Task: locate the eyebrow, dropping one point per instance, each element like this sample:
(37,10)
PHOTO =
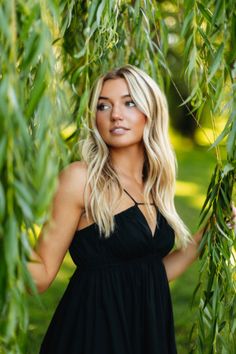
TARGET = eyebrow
(107,98)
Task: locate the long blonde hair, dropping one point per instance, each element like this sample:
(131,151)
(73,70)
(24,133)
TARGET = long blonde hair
(160,166)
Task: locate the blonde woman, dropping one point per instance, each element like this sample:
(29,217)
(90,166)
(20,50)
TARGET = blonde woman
(115,212)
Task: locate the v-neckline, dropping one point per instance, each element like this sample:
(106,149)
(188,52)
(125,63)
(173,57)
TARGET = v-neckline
(136,205)
(146,222)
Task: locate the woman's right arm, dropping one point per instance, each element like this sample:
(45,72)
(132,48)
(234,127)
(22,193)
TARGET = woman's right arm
(56,235)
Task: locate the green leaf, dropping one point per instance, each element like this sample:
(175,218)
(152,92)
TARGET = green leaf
(212,192)
(99,12)
(187,24)
(188,46)
(83,104)
(191,96)
(92,10)
(2,203)
(219,93)
(217,62)
(11,246)
(231,142)
(38,90)
(197,288)
(203,242)
(23,191)
(205,12)
(222,135)
(225,197)
(192,62)
(3,147)
(206,40)
(33,48)
(218,13)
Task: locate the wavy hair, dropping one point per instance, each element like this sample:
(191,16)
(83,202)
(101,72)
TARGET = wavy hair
(160,165)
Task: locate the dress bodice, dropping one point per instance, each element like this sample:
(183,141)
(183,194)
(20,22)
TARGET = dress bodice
(131,239)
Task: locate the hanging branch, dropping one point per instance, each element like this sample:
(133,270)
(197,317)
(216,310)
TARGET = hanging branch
(31,151)
(209,70)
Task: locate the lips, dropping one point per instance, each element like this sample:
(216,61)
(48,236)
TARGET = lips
(118,129)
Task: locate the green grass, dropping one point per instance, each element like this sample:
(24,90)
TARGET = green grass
(195,168)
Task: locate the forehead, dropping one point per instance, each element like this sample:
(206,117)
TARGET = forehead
(114,87)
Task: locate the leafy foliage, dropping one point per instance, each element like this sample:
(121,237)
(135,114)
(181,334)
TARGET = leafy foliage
(216,323)
(210,57)
(50,53)
(31,150)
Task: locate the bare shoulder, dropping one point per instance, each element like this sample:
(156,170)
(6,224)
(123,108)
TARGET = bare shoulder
(76,169)
(73,179)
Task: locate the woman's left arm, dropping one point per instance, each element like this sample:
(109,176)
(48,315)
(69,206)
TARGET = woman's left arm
(178,261)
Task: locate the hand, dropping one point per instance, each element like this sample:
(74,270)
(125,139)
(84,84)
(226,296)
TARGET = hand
(232,223)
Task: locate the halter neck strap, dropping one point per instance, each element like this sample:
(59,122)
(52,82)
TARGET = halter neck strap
(136,203)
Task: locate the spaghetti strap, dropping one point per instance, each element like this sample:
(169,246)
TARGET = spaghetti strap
(130,196)
(136,203)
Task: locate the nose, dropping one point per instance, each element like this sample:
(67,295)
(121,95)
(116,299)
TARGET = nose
(116,113)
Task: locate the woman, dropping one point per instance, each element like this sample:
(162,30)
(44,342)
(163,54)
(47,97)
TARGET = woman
(115,212)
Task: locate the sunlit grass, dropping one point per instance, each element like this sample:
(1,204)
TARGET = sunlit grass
(192,191)
(178,140)
(208,134)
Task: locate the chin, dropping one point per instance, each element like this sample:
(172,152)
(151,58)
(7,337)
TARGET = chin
(125,144)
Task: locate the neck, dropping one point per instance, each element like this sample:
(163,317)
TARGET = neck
(128,162)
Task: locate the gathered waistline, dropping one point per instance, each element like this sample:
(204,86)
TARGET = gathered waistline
(101,264)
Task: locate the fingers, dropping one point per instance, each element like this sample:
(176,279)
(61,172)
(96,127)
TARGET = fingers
(232,223)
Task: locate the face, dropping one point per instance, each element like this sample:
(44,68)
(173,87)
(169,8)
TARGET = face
(118,120)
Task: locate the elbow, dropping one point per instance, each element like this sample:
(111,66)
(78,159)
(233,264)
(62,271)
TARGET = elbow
(42,287)
(169,274)
(44,282)
(38,287)
(40,279)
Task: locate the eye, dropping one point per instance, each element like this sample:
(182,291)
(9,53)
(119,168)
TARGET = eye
(103,107)
(130,104)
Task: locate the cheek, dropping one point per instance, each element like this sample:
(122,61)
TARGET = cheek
(141,122)
(101,125)
(99,122)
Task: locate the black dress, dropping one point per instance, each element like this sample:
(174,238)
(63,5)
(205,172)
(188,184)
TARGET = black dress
(118,299)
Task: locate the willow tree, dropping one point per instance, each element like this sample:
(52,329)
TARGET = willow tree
(50,53)
(32,105)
